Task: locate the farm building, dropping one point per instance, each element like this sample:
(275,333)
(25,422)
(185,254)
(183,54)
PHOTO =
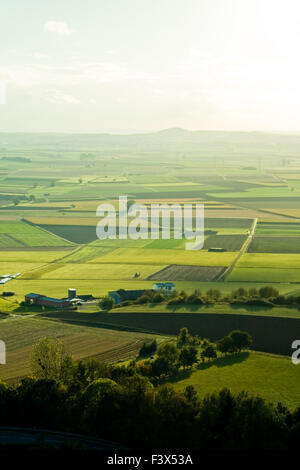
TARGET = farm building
(121,295)
(164,286)
(86,297)
(74,298)
(37,299)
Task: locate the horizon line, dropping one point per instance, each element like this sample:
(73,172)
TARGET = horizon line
(147,132)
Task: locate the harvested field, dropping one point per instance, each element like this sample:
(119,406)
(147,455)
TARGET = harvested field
(213,222)
(73,233)
(175,272)
(270,334)
(86,221)
(83,341)
(263,244)
(228,242)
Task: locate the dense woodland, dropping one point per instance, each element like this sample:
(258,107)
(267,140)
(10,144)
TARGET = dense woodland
(122,404)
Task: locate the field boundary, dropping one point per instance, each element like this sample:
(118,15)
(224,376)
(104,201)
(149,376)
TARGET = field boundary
(270,334)
(46,231)
(243,250)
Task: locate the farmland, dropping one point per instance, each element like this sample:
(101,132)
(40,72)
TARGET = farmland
(22,234)
(55,212)
(188,273)
(275,244)
(82,341)
(48,224)
(263,274)
(228,242)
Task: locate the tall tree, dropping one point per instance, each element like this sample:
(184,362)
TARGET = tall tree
(188,356)
(51,360)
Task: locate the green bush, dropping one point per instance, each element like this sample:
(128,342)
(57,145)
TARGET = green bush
(144,299)
(107,303)
(177,301)
(268,291)
(158,298)
(148,348)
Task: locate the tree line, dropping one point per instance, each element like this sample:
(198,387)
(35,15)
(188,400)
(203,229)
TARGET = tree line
(124,404)
(118,403)
(187,352)
(266,296)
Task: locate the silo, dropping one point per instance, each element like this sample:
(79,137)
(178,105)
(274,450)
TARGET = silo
(71,294)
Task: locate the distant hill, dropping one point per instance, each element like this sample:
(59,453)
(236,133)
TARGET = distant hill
(167,140)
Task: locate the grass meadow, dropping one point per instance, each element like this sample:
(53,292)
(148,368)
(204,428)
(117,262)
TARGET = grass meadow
(274,378)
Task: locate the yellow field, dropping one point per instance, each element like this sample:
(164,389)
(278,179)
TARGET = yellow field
(164,257)
(94,179)
(288,212)
(100,271)
(42,256)
(186,183)
(14,267)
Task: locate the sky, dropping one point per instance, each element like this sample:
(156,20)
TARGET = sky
(126,66)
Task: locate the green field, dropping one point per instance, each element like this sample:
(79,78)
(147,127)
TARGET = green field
(274,378)
(48,217)
(279,229)
(269,260)
(271,267)
(27,235)
(264,275)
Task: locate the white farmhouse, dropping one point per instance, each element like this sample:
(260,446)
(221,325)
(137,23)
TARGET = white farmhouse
(164,286)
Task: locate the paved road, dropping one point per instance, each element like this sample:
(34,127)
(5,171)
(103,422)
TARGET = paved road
(10,435)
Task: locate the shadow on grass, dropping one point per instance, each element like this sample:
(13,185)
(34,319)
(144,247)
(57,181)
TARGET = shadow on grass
(251,308)
(225,361)
(181,375)
(184,374)
(34,309)
(190,307)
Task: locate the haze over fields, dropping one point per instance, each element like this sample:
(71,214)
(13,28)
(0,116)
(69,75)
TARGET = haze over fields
(138,65)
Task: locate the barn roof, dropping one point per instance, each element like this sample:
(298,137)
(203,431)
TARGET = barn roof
(33,296)
(164,284)
(43,297)
(128,294)
(51,299)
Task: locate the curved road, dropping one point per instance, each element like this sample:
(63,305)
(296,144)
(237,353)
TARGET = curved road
(24,436)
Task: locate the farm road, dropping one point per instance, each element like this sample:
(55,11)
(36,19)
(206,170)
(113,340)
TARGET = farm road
(241,252)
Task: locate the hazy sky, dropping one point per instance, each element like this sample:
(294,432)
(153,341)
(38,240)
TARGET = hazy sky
(142,65)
